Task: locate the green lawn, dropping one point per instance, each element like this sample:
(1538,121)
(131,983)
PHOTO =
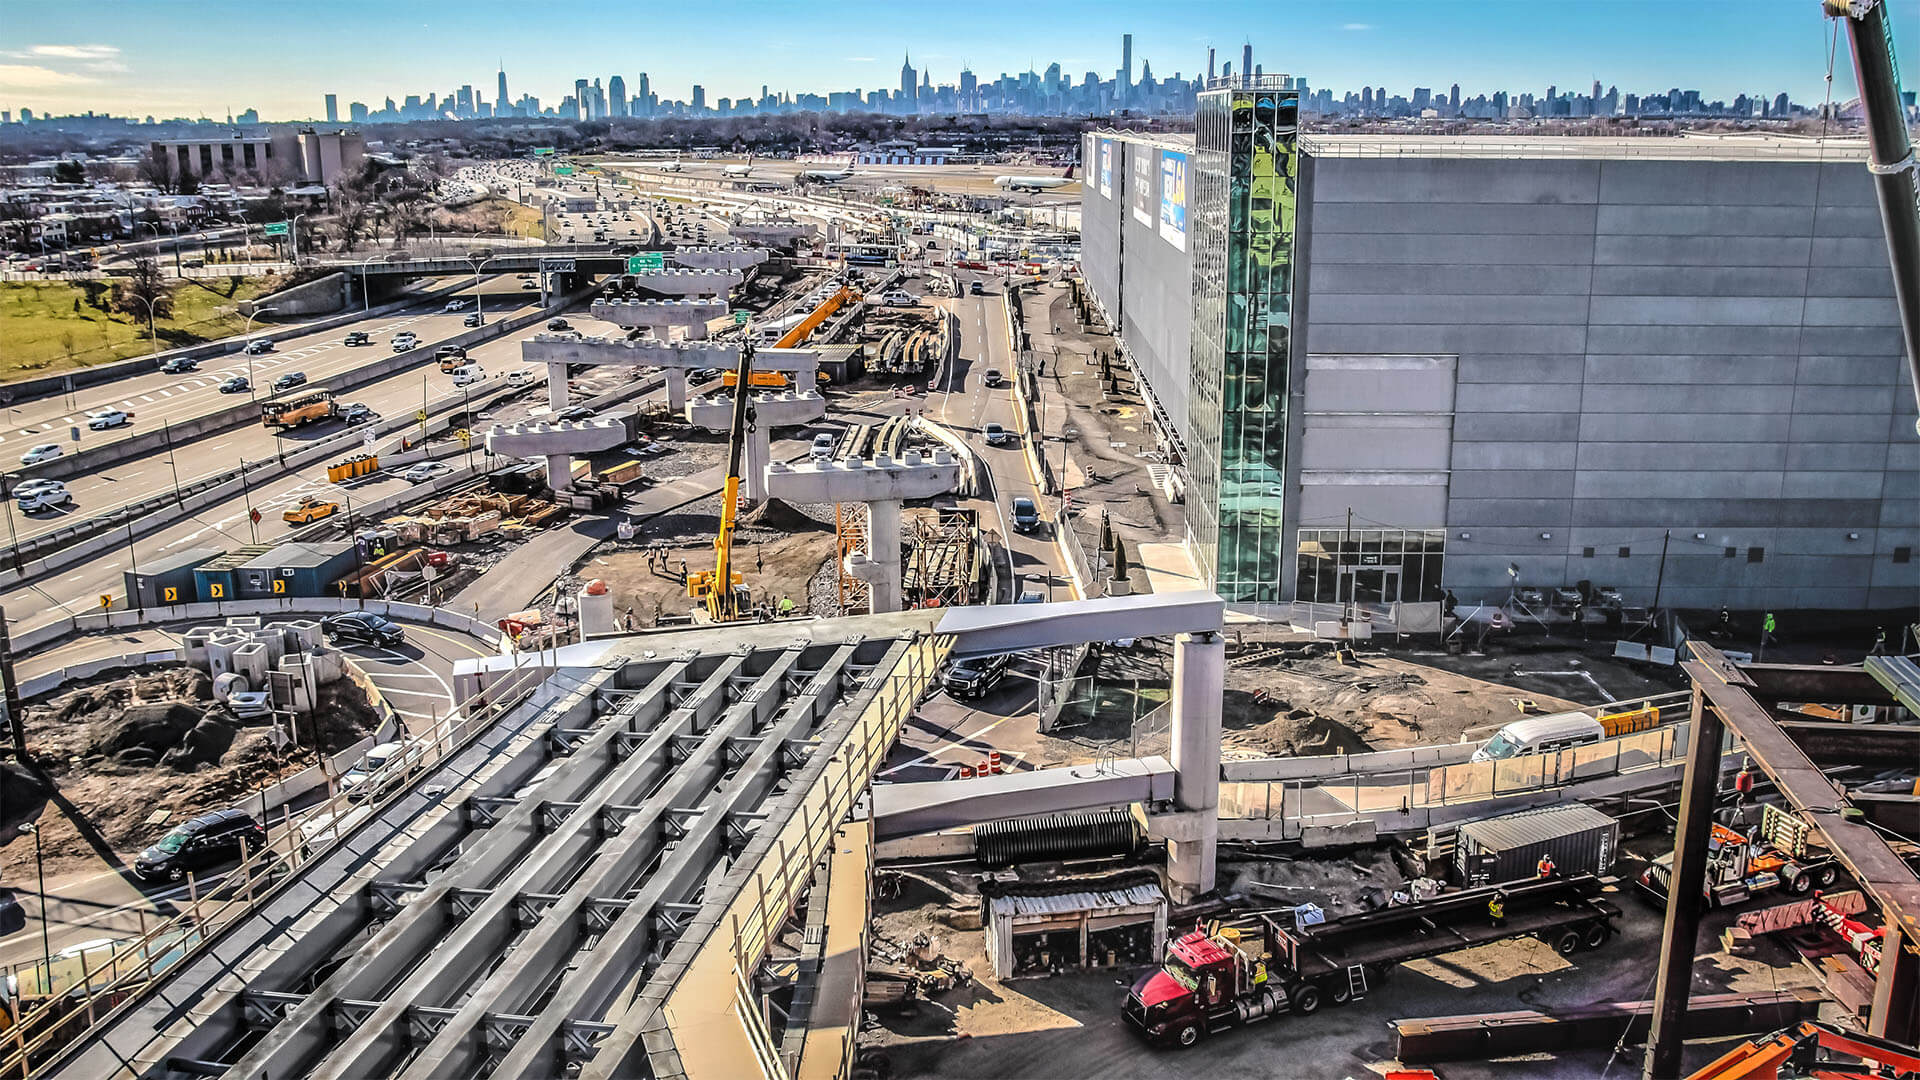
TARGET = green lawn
(41,332)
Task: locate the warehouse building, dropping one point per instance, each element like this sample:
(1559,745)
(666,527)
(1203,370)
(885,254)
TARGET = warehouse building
(1398,366)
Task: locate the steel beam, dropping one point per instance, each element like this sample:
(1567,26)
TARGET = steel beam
(1680,934)
(1826,743)
(1819,683)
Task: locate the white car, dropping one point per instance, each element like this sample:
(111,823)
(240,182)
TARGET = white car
(899,299)
(404,341)
(519,378)
(43,499)
(107,418)
(393,763)
(425,471)
(455,305)
(468,374)
(44,452)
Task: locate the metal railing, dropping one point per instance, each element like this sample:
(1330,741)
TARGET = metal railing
(132,967)
(1651,147)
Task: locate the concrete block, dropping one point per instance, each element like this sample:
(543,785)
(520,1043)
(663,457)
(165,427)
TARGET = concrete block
(250,660)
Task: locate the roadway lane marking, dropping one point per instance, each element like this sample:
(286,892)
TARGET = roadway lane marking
(143,397)
(164,393)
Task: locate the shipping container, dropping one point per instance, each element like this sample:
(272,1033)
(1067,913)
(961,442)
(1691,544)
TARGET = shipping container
(297,569)
(167,581)
(1580,839)
(216,580)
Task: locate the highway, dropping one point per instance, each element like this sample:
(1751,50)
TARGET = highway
(159,398)
(132,481)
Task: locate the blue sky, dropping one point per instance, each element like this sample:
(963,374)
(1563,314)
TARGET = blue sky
(204,57)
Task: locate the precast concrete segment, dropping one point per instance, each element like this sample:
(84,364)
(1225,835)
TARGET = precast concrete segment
(574,349)
(1006,628)
(858,480)
(426,938)
(742,760)
(912,809)
(654,314)
(783,409)
(782,236)
(535,438)
(1199,675)
(703,281)
(724,258)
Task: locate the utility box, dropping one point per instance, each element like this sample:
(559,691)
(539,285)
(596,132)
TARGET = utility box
(168,581)
(297,569)
(1580,839)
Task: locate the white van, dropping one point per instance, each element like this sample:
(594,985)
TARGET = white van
(1541,735)
(468,374)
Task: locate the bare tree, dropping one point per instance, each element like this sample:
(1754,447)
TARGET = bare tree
(144,288)
(157,169)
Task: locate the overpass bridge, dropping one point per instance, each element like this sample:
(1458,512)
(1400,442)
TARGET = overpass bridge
(552,258)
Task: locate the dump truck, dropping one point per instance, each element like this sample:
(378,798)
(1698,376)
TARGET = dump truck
(310,510)
(1226,975)
(1778,854)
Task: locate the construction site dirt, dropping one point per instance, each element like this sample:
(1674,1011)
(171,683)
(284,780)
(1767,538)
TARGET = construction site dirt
(1068,1026)
(133,755)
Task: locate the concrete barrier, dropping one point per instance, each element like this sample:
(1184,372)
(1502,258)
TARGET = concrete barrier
(41,637)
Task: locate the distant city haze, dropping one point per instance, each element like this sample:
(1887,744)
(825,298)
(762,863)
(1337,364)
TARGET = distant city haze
(218,58)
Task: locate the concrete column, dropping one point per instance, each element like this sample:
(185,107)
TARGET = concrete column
(560,472)
(676,388)
(557,386)
(1199,679)
(883,543)
(696,330)
(753,477)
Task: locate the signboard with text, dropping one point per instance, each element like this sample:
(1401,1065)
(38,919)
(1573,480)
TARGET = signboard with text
(646,260)
(1142,183)
(278,228)
(1106,168)
(1173,198)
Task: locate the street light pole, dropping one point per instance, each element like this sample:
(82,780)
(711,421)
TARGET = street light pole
(153,336)
(13,535)
(295,230)
(46,935)
(246,335)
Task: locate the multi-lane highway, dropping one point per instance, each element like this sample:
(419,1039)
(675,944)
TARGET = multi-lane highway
(158,398)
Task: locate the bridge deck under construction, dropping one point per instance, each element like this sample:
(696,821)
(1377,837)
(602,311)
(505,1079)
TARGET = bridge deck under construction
(645,826)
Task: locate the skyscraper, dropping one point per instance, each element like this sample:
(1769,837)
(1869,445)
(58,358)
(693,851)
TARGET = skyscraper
(1246,60)
(357,112)
(909,84)
(1209,63)
(699,98)
(500,101)
(1126,67)
(645,96)
(333,109)
(580,99)
(616,96)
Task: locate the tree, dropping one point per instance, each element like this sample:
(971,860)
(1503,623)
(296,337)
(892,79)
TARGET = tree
(351,216)
(187,183)
(157,169)
(142,287)
(69,172)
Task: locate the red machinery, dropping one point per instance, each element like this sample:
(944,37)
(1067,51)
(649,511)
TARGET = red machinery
(1807,1050)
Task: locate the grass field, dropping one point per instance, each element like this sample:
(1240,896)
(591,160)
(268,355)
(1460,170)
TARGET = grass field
(519,220)
(41,330)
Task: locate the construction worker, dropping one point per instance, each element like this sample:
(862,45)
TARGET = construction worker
(1497,908)
(786,606)
(1545,867)
(1879,641)
(1259,973)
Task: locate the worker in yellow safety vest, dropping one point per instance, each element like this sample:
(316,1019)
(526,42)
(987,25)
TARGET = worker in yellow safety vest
(1497,908)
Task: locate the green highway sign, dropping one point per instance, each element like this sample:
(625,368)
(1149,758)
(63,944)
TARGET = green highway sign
(563,170)
(740,318)
(649,260)
(543,151)
(278,228)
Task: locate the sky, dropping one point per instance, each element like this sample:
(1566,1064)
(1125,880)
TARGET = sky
(211,57)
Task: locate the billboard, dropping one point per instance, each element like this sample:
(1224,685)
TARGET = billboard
(1140,183)
(1106,168)
(1173,198)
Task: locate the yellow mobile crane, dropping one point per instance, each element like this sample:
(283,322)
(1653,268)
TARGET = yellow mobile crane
(720,587)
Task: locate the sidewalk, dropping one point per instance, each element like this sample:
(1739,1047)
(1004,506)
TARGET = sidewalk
(1093,439)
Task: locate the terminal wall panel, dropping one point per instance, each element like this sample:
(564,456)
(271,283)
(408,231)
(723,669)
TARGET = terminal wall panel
(1707,348)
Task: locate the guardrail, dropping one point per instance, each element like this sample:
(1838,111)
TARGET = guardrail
(44,1029)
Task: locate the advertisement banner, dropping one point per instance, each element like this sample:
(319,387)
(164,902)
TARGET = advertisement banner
(1106,168)
(1173,198)
(1140,183)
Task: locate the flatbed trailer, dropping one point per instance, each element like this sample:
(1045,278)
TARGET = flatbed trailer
(1225,976)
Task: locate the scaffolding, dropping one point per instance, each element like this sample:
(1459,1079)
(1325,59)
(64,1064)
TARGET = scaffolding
(944,567)
(852,536)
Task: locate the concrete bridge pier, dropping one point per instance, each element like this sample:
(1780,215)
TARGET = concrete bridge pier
(676,388)
(1199,677)
(880,568)
(883,484)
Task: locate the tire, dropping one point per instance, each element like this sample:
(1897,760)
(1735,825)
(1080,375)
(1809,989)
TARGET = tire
(1595,935)
(1567,942)
(1188,1036)
(1827,875)
(1339,993)
(1798,883)
(1305,999)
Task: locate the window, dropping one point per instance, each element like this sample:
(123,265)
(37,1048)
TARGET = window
(1731,552)
(1902,554)
(1756,554)
(1586,553)
(1626,552)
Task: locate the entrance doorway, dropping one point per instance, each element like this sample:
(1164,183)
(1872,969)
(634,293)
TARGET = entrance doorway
(1369,584)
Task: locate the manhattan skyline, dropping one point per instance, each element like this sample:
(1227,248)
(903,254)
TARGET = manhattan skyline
(125,58)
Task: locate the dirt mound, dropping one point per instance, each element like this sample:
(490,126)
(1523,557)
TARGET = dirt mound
(142,732)
(776,515)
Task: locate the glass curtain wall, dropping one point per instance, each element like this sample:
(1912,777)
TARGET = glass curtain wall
(1245,198)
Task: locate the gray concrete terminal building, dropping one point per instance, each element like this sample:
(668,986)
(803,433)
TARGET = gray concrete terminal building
(1514,360)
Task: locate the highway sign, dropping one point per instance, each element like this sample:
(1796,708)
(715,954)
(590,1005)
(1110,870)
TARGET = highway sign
(648,260)
(740,318)
(420,415)
(170,594)
(556,266)
(543,151)
(106,601)
(278,228)
(563,170)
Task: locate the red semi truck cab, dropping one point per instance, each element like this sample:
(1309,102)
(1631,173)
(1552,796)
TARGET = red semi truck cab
(1213,980)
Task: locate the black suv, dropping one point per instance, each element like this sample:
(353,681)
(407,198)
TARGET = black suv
(359,337)
(364,627)
(207,840)
(180,365)
(976,676)
(290,380)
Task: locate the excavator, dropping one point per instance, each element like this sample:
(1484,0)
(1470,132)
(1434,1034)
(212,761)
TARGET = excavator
(720,587)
